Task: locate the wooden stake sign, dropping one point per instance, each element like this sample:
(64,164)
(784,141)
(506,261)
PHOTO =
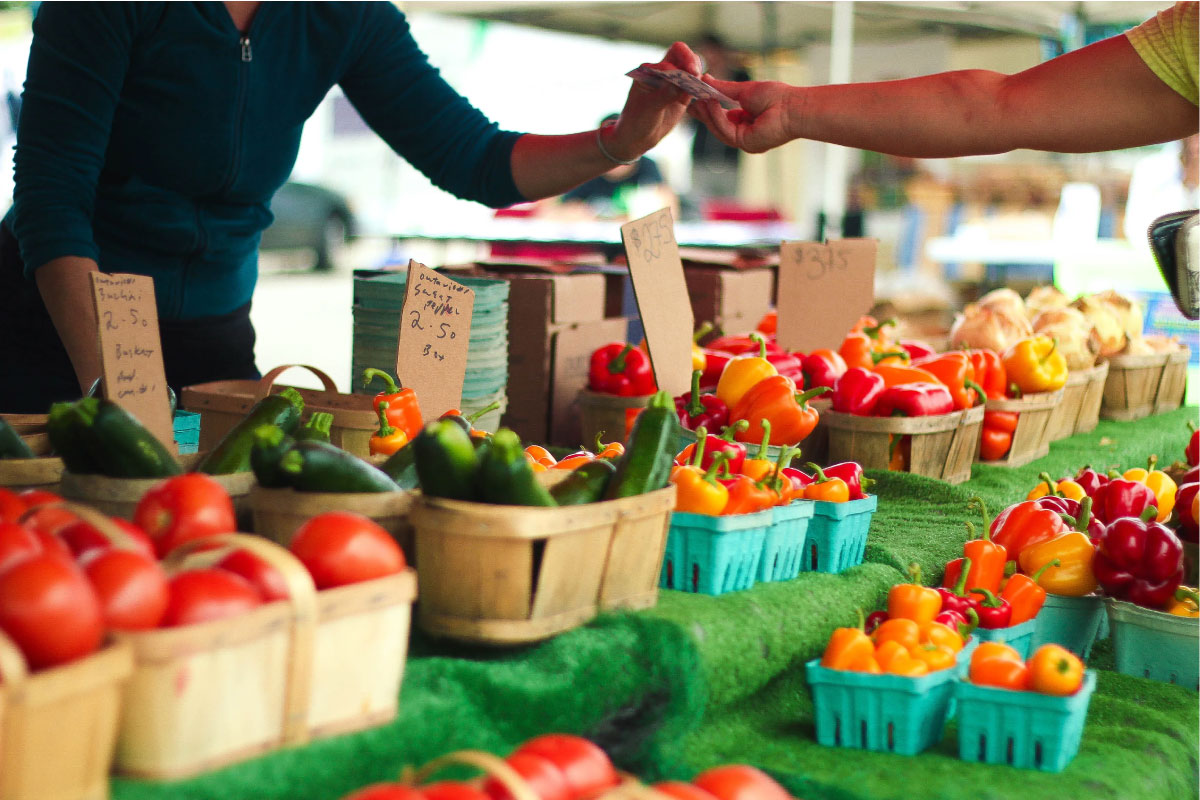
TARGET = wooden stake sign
(823,290)
(662,298)
(435,334)
(131,351)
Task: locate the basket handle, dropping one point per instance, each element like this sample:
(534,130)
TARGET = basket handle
(13,667)
(117,537)
(266,382)
(302,594)
(485,762)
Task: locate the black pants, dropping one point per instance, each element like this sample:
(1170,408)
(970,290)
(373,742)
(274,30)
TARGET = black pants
(35,370)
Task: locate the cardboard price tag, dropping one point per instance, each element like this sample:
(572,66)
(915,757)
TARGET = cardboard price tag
(435,334)
(823,290)
(131,350)
(662,298)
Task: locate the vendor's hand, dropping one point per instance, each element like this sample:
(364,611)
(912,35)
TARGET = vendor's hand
(759,125)
(650,114)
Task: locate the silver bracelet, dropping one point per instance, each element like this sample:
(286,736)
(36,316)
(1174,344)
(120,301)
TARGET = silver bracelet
(608,155)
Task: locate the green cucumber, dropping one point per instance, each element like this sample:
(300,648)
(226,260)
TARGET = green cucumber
(120,446)
(447,461)
(506,477)
(585,484)
(270,445)
(649,453)
(11,443)
(401,466)
(323,467)
(232,453)
(65,428)
(317,429)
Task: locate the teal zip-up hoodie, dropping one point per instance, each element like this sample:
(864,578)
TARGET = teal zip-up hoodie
(153,135)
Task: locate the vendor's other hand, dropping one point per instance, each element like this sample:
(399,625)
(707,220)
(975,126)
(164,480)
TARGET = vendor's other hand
(650,114)
(759,125)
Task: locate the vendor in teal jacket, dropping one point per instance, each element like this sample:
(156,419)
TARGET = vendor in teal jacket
(153,135)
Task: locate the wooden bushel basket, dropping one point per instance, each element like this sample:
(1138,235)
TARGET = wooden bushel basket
(1080,402)
(942,446)
(19,474)
(1173,384)
(1132,386)
(222,404)
(58,727)
(607,414)
(503,575)
(1031,439)
(279,512)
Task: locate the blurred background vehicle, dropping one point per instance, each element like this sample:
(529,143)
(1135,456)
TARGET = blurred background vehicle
(310,217)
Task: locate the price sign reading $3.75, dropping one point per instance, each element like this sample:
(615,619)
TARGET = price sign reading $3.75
(435,334)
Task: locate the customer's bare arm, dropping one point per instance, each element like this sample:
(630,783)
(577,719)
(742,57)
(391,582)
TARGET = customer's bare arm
(67,292)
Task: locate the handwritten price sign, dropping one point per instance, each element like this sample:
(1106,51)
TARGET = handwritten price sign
(131,351)
(823,290)
(435,334)
(662,298)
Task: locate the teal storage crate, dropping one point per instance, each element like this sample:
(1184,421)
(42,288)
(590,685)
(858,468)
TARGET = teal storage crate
(1154,644)
(1073,622)
(714,555)
(882,713)
(837,534)
(1022,729)
(783,547)
(187,431)
(1018,637)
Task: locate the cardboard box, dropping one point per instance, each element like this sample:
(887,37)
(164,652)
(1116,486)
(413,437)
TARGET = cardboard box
(734,300)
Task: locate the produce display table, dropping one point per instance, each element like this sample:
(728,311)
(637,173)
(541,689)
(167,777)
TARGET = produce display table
(704,680)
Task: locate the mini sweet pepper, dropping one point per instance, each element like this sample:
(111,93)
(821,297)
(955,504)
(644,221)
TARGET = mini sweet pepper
(1035,364)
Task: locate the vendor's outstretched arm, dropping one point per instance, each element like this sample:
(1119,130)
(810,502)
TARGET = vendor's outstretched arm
(1101,97)
(67,292)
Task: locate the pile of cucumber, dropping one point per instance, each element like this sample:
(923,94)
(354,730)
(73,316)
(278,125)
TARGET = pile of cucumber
(94,436)
(11,443)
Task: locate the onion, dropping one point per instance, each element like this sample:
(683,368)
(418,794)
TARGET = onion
(987,328)
(1076,336)
(1043,298)
(1108,328)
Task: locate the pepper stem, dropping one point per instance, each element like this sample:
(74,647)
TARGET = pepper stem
(766,440)
(914,573)
(960,586)
(1014,390)
(1051,485)
(617,365)
(704,330)
(694,407)
(475,416)
(979,390)
(876,330)
(976,502)
(762,344)
(729,431)
(1148,513)
(1151,462)
(820,473)
(1055,563)
(370,374)
(989,598)
(803,398)
(710,474)
(877,357)
(701,444)
(1183,594)
(385,428)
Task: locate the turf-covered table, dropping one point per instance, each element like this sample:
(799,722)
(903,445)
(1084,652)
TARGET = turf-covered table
(703,680)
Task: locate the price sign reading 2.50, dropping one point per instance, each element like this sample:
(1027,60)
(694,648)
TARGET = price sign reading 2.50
(434,335)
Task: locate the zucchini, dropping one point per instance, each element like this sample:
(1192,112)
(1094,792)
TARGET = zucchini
(401,466)
(585,484)
(317,429)
(447,461)
(232,453)
(65,428)
(649,454)
(322,467)
(120,445)
(505,476)
(270,445)
(11,443)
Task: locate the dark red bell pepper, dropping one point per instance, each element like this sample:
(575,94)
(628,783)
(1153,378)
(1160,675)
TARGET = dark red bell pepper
(714,365)
(1192,451)
(822,368)
(857,391)
(954,584)
(914,400)
(916,349)
(621,369)
(994,612)
(852,473)
(1121,498)
(789,366)
(1189,526)
(1139,561)
(1080,513)
(1090,480)
(696,410)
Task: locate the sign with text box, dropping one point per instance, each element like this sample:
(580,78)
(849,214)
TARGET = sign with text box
(435,334)
(823,290)
(131,358)
(662,298)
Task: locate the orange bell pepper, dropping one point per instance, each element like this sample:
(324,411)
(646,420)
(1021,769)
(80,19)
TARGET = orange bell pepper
(831,490)
(1073,575)
(940,635)
(897,629)
(991,666)
(913,600)
(1055,670)
(888,650)
(897,374)
(1035,364)
(775,399)
(388,439)
(741,375)
(1024,595)
(769,323)
(747,496)
(850,649)
(1159,482)
(958,374)
(696,490)
(987,557)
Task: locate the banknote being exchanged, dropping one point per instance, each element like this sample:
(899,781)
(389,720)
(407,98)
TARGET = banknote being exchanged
(686,81)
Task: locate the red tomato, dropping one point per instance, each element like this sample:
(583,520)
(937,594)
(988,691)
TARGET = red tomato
(183,508)
(451,790)
(49,609)
(341,547)
(385,791)
(54,545)
(82,537)
(11,506)
(203,595)
(262,576)
(682,791)
(586,767)
(546,780)
(17,543)
(131,587)
(740,782)
(48,520)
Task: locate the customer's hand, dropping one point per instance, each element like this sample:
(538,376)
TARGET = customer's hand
(650,114)
(762,122)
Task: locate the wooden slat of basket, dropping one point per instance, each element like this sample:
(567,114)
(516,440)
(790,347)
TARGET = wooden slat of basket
(964,449)
(1172,386)
(1066,414)
(30,473)
(1093,396)
(639,543)
(26,423)
(1131,386)
(1031,439)
(279,512)
(557,589)
(867,440)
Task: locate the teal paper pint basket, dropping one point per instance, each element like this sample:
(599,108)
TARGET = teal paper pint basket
(783,547)
(714,555)
(881,713)
(187,431)
(837,534)
(1022,729)
(1018,637)
(1154,644)
(1072,622)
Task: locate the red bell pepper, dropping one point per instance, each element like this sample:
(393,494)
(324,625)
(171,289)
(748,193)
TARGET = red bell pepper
(1090,480)
(1139,561)
(954,585)
(990,373)
(857,391)
(1192,451)
(852,473)
(994,612)
(1081,513)
(1189,526)
(1121,498)
(822,368)
(743,343)
(916,349)
(789,366)
(733,452)
(622,370)
(1023,525)
(696,410)
(914,400)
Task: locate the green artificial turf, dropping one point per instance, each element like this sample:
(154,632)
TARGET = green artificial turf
(700,680)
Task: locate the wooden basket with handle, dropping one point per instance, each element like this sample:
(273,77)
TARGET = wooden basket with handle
(279,512)
(1079,409)
(496,768)
(222,404)
(1031,439)
(1173,384)
(943,446)
(1132,386)
(608,414)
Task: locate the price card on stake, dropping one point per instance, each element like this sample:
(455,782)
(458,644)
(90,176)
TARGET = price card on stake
(435,333)
(131,350)
(662,298)
(823,290)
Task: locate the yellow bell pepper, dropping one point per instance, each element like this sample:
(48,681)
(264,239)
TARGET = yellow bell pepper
(1159,482)
(740,375)
(1073,576)
(1063,488)
(1034,364)
(1185,603)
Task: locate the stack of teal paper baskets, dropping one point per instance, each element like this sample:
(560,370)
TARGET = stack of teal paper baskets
(378,297)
